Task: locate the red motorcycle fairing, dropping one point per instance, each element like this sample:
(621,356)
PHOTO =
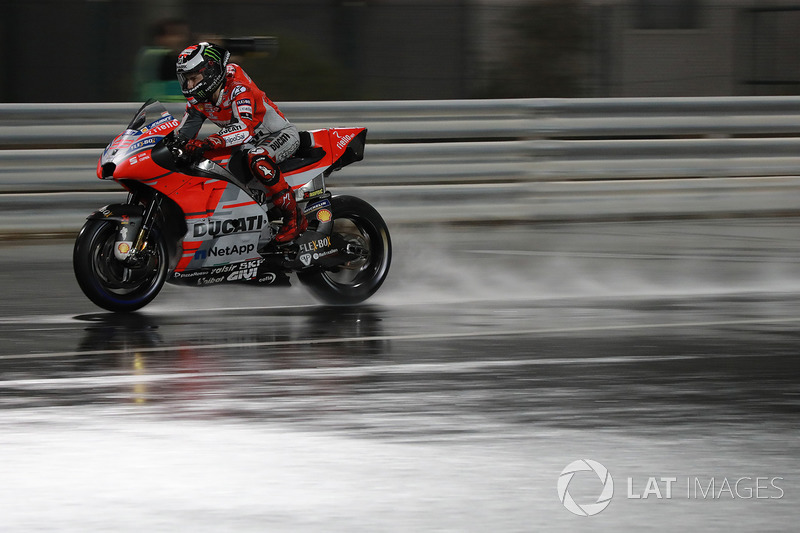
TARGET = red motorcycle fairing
(231,226)
(224,222)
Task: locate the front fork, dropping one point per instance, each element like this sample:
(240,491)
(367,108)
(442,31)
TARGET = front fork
(134,230)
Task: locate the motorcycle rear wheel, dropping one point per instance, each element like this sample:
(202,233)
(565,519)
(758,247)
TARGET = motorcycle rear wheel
(358,222)
(111,283)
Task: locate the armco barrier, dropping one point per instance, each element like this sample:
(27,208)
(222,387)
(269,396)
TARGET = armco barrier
(55,146)
(555,157)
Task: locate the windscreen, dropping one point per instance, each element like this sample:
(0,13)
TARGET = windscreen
(150,111)
(151,122)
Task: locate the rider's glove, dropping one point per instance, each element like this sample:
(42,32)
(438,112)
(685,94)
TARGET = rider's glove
(214,142)
(195,149)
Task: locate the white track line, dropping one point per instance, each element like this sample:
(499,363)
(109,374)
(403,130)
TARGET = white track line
(349,371)
(408,338)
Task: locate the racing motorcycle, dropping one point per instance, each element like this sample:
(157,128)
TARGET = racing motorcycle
(208,222)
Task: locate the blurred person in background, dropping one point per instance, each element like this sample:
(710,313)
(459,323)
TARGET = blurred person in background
(155,64)
(221,91)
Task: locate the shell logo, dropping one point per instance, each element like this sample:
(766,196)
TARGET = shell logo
(123,247)
(323,215)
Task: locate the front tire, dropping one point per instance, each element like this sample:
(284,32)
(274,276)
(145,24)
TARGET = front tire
(358,222)
(113,284)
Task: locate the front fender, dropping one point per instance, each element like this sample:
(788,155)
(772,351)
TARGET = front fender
(123,213)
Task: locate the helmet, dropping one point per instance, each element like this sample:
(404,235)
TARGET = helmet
(207,59)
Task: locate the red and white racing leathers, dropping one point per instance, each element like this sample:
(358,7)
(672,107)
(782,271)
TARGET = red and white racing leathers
(250,120)
(245,116)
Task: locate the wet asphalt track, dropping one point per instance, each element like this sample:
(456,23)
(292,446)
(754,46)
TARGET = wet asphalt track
(451,401)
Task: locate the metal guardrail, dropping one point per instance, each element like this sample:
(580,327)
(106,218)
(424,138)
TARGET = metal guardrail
(54,147)
(542,159)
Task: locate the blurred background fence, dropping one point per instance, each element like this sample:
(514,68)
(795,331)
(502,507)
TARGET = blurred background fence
(55,147)
(509,159)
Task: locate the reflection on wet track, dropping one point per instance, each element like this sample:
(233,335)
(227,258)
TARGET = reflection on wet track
(452,401)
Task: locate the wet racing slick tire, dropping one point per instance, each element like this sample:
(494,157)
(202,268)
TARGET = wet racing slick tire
(113,284)
(355,281)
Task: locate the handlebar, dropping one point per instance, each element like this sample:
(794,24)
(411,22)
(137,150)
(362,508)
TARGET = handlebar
(174,144)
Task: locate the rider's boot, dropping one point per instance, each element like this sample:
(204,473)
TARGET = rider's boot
(294,221)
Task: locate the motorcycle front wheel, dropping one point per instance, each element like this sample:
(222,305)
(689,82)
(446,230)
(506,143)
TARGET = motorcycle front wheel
(361,225)
(113,284)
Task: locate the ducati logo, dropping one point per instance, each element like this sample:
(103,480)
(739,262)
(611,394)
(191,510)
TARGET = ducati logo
(228,226)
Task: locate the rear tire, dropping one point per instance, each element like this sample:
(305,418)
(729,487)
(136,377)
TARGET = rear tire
(113,284)
(352,283)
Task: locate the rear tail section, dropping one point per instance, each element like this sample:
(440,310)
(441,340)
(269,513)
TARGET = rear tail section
(347,145)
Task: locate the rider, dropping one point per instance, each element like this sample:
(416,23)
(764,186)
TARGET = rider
(223,92)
